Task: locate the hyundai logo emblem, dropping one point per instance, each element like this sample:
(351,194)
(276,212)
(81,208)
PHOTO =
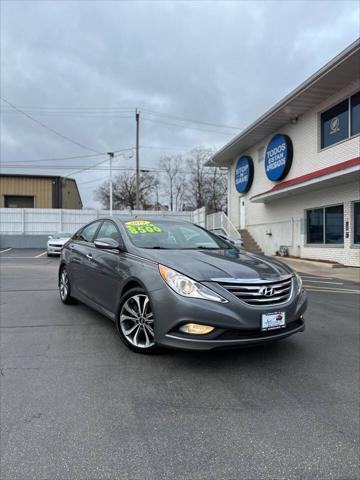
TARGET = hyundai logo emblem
(266,291)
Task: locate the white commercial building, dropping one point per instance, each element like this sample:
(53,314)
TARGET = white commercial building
(294,174)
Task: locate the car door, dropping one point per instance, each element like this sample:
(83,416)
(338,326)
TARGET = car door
(82,254)
(110,268)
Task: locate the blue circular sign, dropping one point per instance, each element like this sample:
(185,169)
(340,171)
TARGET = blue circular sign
(244,174)
(278,157)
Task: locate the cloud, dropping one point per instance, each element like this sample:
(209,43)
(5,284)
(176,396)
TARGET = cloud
(219,62)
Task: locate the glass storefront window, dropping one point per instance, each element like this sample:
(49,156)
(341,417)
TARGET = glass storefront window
(357,222)
(355,113)
(315,225)
(325,225)
(334,224)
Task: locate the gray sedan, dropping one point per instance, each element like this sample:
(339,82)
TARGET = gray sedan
(174,284)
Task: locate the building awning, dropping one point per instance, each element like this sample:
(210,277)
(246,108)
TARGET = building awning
(334,175)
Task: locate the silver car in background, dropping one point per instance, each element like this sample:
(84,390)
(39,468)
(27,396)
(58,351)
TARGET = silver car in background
(56,242)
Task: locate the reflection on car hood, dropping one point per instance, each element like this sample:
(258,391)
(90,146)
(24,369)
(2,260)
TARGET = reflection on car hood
(205,265)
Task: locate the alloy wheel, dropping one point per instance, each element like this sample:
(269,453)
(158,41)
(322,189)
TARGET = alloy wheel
(64,285)
(137,321)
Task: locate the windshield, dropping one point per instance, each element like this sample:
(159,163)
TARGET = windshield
(172,235)
(62,235)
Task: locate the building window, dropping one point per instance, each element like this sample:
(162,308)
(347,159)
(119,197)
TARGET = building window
(357,222)
(19,201)
(315,225)
(335,124)
(355,113)
(341,121)
(325,225)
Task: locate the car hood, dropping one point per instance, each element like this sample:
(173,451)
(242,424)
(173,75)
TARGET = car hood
(205,265)
(58,241)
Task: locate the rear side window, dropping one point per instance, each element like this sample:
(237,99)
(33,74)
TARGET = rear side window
(87,234)
(109,230)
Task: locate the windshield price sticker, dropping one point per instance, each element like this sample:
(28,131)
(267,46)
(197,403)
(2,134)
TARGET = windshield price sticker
(142,226)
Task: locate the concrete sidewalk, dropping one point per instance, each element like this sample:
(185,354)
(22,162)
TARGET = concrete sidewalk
(351,274)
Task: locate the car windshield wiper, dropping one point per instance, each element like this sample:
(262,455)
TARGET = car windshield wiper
(202,247)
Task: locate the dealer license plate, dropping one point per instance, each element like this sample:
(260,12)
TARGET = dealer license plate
(272,321)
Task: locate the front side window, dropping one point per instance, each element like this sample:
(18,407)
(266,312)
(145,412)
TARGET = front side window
(109,230)
(325,225)
(335,124)
(172,235)
(357,222)
(87,234)
(355,113)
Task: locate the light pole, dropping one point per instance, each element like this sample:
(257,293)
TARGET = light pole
(111,156)
(137,118)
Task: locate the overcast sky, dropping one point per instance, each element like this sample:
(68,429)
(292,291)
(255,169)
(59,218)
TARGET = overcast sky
(83,67)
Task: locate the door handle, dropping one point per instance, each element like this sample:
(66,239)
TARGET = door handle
(89,256)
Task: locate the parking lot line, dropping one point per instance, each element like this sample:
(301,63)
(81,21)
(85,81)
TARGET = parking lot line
(6,250)
(312,288)
(322,281)
(41,254)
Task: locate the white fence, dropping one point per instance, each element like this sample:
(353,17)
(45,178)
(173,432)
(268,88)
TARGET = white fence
(221,220)
(41,221)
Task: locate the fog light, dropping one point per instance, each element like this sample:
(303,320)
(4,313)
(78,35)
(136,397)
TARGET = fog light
(196,329)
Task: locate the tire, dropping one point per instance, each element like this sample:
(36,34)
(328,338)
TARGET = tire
(65,288)
(49,254)
(135,322)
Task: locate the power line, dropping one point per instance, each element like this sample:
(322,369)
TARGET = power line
(190,120)
(49,128)
(63,158)
(56,159)
(62,110)
(184,126)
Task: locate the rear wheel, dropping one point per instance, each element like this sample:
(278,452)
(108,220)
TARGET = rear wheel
(136,321)
(65,288)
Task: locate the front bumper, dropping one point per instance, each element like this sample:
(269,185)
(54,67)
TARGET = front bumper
(54,250)
(236,323)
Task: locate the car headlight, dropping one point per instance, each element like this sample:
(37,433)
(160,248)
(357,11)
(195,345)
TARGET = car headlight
(187,287)
(299,282)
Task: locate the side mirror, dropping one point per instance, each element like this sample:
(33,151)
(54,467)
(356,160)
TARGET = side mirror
(107,244)
(50,236)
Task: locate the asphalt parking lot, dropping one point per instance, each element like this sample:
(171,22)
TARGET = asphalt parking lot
(77,404)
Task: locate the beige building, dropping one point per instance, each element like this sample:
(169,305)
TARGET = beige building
(38,191)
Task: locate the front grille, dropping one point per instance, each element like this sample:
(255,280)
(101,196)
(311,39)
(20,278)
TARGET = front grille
(262,292)
(235,334)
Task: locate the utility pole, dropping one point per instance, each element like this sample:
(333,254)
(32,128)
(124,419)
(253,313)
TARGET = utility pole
(137,116)
(111,156)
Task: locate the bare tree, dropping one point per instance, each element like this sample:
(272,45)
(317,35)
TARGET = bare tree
(207,185)
(124,191)
(171,166)
(216,190)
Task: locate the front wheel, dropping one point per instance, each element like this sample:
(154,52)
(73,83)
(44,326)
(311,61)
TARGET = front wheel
(65,288)
(135,323)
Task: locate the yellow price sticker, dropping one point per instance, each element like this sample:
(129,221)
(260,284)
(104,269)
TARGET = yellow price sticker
(141,227)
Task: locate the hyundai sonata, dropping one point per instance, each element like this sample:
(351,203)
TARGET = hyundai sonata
(174,284)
